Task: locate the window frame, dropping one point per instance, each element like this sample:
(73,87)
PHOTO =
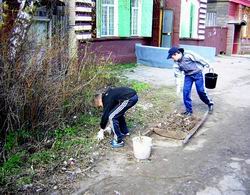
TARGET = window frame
(139,13)
(115,19)
(211,18)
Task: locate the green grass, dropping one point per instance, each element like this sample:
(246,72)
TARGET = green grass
(122,67)
(24,180)
(76,138)
(11,166)
(42,157)
(139,86)
(74,144)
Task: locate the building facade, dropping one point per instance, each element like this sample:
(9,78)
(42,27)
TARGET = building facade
(233,15)
(166,23)
(110,27)
(183,22)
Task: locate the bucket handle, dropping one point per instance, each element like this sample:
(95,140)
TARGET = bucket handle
(211,70)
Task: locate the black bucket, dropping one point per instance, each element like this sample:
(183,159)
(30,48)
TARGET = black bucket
(210,80)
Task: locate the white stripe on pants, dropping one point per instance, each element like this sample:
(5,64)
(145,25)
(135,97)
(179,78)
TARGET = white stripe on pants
(115,112)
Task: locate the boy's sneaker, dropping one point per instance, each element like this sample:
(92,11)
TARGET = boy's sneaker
(210,108)
(115,144)
(187,113)
(126,134)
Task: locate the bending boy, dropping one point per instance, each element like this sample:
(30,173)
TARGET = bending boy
(115,102)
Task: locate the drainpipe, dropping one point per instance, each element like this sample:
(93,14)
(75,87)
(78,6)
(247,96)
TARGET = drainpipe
(72,36)
(160,22)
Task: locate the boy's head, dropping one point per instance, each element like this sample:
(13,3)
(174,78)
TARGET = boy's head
(98,100)
(175,53)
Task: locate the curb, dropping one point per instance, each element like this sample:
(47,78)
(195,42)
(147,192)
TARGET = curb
(195,129)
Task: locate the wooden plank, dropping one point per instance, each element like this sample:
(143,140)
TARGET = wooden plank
(195,129)
(178,135)
(148,132)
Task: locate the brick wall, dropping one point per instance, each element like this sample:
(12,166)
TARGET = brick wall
(156,35)
(221,10)
(214,37)
(118,50)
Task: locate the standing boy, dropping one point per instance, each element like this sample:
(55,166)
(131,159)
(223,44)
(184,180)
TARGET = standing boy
(115,102)
(192,65)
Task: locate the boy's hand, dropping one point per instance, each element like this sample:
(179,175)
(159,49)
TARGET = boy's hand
(100,135)
(108,130)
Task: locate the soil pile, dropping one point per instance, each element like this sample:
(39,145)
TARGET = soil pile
(176,126)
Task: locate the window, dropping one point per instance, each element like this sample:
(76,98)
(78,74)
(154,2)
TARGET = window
(122,18)
(211,19)
(108,18)
(134,17)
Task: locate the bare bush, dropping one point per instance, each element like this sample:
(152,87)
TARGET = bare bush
(41,86)
(44,85)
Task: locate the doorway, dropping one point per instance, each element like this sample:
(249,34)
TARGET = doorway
(167,28)
(236,39)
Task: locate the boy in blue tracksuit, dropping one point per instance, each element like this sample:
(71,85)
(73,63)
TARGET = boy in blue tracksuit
(191,64)
(115,102)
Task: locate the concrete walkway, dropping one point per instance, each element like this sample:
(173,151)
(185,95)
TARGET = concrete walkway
(156,76)
(215,162)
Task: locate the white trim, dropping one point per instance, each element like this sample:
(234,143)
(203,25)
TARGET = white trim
(115,6)
(202,10)
(84,36)
(201,36)
(83,9)
(203,1)
(116,19)
(139,16)
(202,16)
(138,22)
(98,12)
(201,32)
(83,18)
(82,27)
(83,1)
(203,5)
(202,21)
(201,26)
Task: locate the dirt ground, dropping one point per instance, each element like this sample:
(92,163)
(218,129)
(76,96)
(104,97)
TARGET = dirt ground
(215,162)
(166,128)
